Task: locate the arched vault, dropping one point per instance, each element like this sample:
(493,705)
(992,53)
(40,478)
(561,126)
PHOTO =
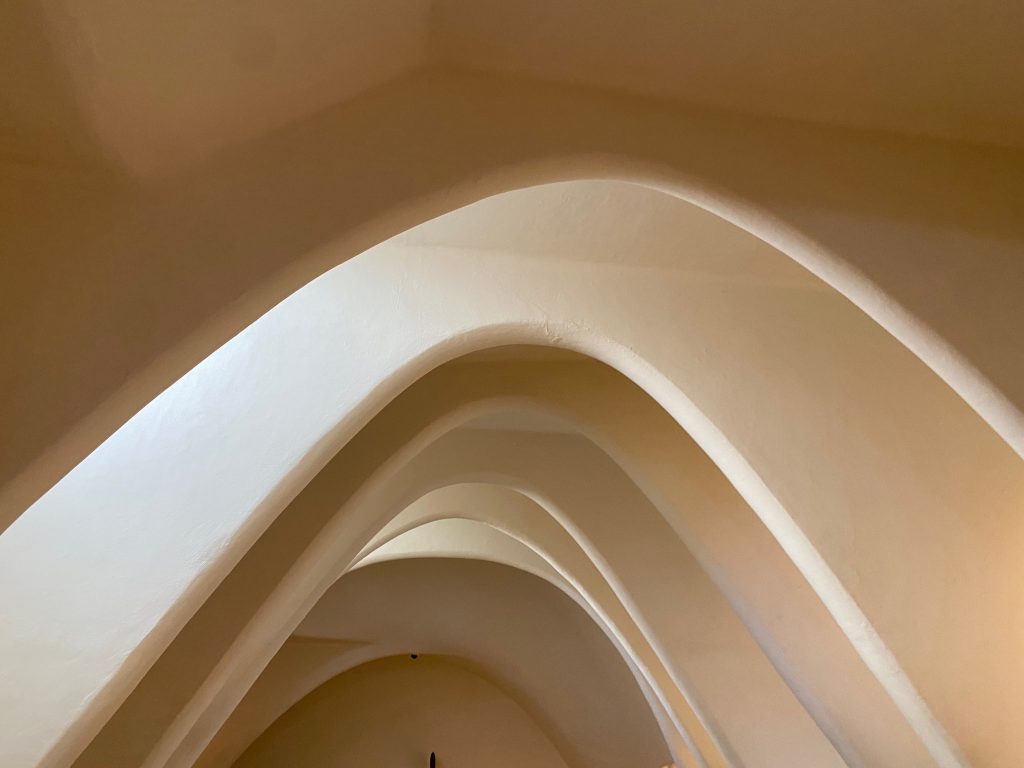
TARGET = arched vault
(807,416)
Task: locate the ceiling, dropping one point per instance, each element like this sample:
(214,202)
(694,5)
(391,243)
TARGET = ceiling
(117,81)
(946,67)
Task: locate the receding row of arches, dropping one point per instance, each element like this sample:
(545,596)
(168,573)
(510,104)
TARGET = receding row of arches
(768,505)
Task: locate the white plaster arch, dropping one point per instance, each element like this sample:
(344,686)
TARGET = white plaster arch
(542,528)
(294,460)
(293,674)
(424,530)
(504,380)
(563,562)
(850,207)
(218,687)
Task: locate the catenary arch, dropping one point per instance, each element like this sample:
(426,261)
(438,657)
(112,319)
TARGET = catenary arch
(843,204)
(428,528)
(680,624)
(502,381)
(119,737)
(539,645)
(192,648)
(449,459)
(536,521)
(481,325)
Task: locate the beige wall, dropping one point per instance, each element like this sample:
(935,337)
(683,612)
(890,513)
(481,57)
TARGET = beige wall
(396,712)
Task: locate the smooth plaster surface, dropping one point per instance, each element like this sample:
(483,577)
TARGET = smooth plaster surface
(396,711)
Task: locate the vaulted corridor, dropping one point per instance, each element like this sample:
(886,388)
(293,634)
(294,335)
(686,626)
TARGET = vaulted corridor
(583,385)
